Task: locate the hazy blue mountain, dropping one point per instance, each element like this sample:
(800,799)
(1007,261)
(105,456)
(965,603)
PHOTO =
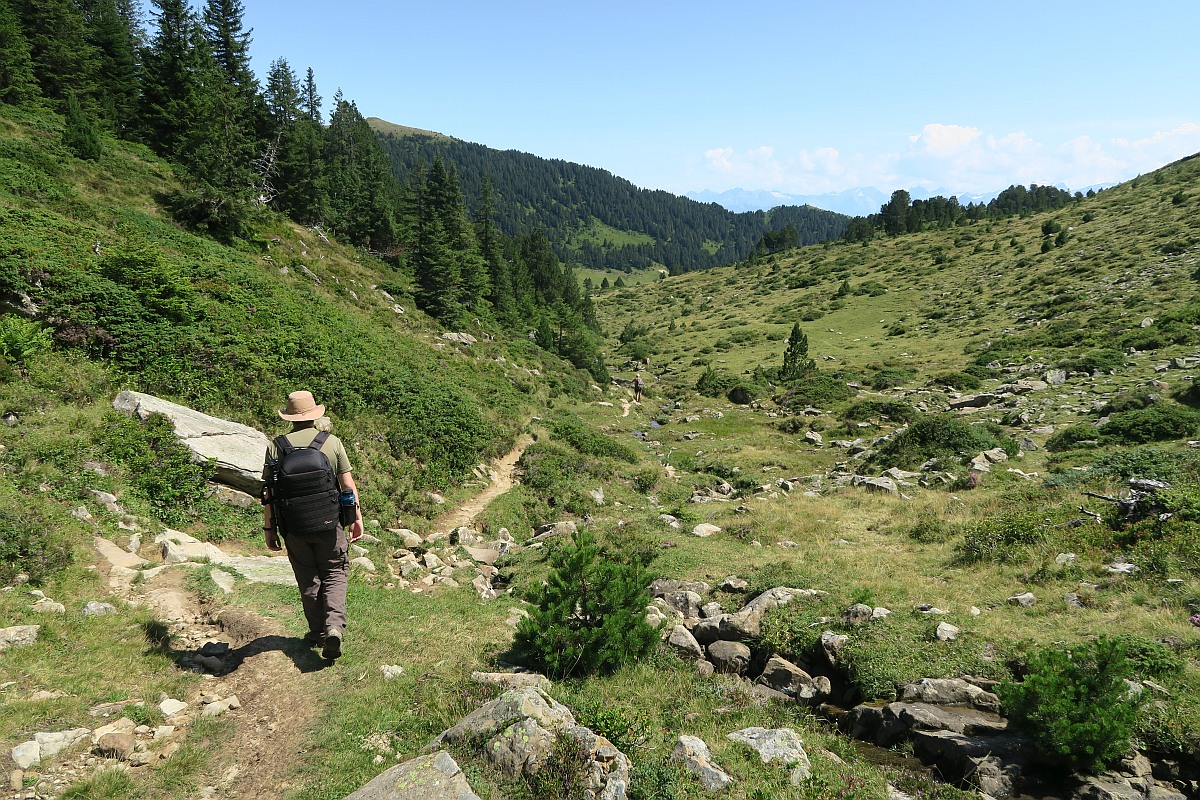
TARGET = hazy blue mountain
(852,202)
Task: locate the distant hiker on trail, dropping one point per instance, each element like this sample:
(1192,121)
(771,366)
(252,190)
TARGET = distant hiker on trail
(638,386)
(302,505)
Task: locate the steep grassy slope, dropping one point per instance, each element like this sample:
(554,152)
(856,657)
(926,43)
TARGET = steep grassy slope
(85,250)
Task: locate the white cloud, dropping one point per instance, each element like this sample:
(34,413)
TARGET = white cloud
(952,159)
(945,140)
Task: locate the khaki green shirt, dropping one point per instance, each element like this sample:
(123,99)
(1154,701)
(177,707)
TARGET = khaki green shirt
(333,449)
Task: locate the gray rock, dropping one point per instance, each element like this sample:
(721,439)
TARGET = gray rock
(429,777)
(779,744)
(98,609)
(948,691)
(729,657)
(170,707)
(26,755)
(235,451)
(734,584)
(857,614)
(1025,600)
(704,530)
(992,764)
(973,401)
(693,753)
(784,676)
(116,745)
(685,602)
(51,744)
(879,485)
(946,632)
(684,644)
(670,521)
(223,580)
(661,586)
(512,680)
(48,606)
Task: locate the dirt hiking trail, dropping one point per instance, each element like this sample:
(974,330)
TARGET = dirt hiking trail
(278,679)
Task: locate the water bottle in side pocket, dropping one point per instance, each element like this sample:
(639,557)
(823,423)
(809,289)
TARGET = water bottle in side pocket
(347,507)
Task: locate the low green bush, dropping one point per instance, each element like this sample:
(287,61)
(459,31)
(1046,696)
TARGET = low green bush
(1105,361)
(1154,423)
(159,467)
(816,389)
(961,381)
(892,410)
(1000,538)
(890,377)
(1072,437)
(944,437)
(590,613)
(588,441)
(1075,704)
(37,538)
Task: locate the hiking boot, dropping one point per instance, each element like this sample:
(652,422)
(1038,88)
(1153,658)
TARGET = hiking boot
(333,645)
(314,638)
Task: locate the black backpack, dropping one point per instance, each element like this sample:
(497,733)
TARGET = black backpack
(304,490)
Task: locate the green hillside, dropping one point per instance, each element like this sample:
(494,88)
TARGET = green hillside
(595,219)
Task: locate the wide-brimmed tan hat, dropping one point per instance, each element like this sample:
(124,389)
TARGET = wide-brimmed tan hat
(302,407)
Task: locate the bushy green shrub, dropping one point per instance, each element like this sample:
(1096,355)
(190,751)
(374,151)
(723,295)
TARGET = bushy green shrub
(893,410)
(1096,361)
(941,436)
(160,468)
(590,614)
(962,381)
(1130,401)
(1073,436)
(35,539)
(1001,537)
(815,390)
(712,383)
(575,432)
(21,339)
(890,377)
(1075,704)
(1151,424)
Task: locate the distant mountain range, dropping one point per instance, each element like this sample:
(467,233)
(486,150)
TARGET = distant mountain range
(857,202)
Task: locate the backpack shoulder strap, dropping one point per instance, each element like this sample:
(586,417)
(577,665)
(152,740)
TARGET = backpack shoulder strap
(283,445)
(319,440)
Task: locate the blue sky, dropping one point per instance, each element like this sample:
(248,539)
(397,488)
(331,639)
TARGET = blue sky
(802,97)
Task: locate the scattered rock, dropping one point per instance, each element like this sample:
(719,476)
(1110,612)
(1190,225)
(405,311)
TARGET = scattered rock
(18,636)
(436,776)
(705,529)
(693,753)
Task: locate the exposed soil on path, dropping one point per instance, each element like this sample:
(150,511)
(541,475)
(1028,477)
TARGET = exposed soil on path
(501,481)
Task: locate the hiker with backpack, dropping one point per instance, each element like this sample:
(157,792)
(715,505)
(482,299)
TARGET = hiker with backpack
(638,386)
(310,503)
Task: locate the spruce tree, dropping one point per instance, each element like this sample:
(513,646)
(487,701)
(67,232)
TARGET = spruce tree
(361,189)
(172,90)
(115,38)
(590,614)
(282,94)
(79,135)
(17,82)
(310,101)
(63,59)
(796,363)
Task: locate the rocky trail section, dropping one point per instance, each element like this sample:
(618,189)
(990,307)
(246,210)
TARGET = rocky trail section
(267,683)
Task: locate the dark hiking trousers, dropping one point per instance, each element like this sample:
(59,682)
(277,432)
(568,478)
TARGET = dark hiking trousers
(321,565)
